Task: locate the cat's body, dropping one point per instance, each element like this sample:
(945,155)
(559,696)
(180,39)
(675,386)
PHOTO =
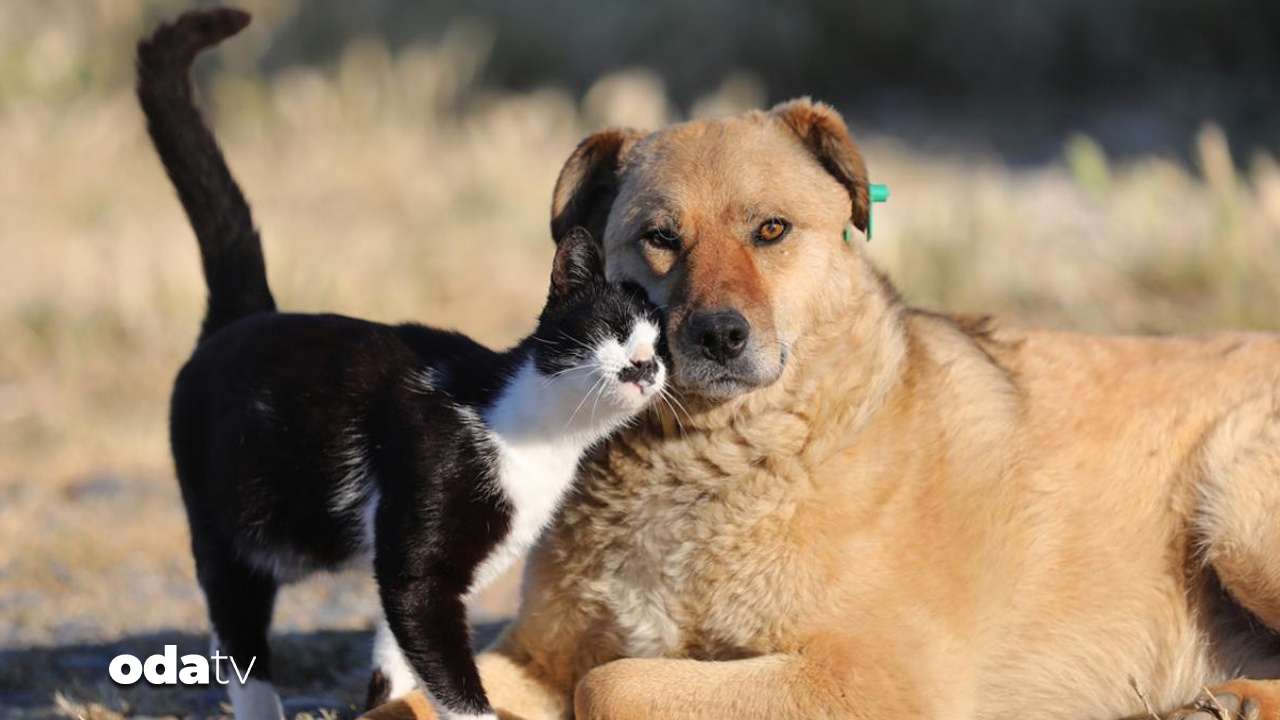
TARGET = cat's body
(305,442)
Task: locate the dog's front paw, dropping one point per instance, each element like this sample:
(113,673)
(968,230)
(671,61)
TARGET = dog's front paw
(1235,700)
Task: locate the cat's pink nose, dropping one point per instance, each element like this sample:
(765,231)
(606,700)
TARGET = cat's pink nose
(642,354)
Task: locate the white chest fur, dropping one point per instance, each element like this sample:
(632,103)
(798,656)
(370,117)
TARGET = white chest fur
(540,426)
(533,479)
(536,449)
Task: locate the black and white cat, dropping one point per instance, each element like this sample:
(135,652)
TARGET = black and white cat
(303,442)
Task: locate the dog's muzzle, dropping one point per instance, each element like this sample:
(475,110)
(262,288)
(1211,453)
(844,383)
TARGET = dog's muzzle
(718,335)
(719,355)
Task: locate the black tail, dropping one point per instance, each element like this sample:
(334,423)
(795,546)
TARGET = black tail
(229,244)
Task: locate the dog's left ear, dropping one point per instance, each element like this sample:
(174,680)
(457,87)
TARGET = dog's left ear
(823,132)
(577,263)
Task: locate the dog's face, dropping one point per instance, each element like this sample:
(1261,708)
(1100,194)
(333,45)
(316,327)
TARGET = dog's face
(732,225)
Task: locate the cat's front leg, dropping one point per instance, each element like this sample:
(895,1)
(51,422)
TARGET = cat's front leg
(428,620)
(427,544)
(392,676)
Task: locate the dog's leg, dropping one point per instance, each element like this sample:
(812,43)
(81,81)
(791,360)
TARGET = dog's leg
(826,680)
(1238,530)
(1235,700)
(1238,517)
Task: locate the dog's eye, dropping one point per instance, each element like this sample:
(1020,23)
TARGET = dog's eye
(772,230)
(662,239)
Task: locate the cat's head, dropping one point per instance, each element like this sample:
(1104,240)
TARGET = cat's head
(597,336)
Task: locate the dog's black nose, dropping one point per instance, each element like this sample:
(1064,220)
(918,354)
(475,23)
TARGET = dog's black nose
(720,335)
(641,373)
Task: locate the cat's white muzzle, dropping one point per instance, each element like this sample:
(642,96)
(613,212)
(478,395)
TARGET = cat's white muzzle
(636,372)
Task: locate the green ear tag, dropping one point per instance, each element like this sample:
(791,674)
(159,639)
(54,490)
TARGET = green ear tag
(879,194)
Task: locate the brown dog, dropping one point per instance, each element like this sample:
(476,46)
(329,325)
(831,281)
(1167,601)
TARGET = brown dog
(871,511)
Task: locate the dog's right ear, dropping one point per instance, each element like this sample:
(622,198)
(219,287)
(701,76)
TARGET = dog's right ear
(588,183)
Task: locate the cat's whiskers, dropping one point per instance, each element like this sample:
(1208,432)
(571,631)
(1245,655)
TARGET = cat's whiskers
(575,342)
(553,376)
(585,397)
(599,394)
(671,393)
(668,397)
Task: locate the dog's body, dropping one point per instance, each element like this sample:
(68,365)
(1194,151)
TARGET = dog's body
(872,511)
(985,546)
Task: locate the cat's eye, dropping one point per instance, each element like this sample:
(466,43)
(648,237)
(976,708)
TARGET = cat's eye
(772,230)
(662,239)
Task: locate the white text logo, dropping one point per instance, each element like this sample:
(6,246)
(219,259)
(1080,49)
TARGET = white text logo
(165,670)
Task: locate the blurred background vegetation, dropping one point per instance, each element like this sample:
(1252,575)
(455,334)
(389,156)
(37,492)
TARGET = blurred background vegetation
(1086,164)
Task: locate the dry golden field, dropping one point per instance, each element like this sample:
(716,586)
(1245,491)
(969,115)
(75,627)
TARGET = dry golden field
(389,185)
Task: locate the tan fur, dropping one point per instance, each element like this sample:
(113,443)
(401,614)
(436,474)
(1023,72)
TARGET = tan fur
(917,516)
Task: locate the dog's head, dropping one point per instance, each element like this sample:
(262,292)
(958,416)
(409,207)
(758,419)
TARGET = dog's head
(733,225)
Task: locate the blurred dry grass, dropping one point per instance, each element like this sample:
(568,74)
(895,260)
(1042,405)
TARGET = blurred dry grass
(390,186)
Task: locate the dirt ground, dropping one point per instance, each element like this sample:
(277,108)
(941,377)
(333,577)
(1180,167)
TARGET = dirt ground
(55,650)
(319,673)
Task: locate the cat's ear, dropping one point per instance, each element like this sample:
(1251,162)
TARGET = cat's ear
(577,263)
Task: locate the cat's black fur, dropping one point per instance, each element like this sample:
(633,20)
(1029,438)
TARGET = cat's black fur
(296,437)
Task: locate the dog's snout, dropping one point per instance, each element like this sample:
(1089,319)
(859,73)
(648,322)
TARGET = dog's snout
(641,372)
(719,335)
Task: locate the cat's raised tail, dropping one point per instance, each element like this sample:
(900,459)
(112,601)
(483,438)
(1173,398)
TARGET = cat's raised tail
(229,245)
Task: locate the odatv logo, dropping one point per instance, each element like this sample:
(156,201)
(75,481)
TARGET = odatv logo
(163,669)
